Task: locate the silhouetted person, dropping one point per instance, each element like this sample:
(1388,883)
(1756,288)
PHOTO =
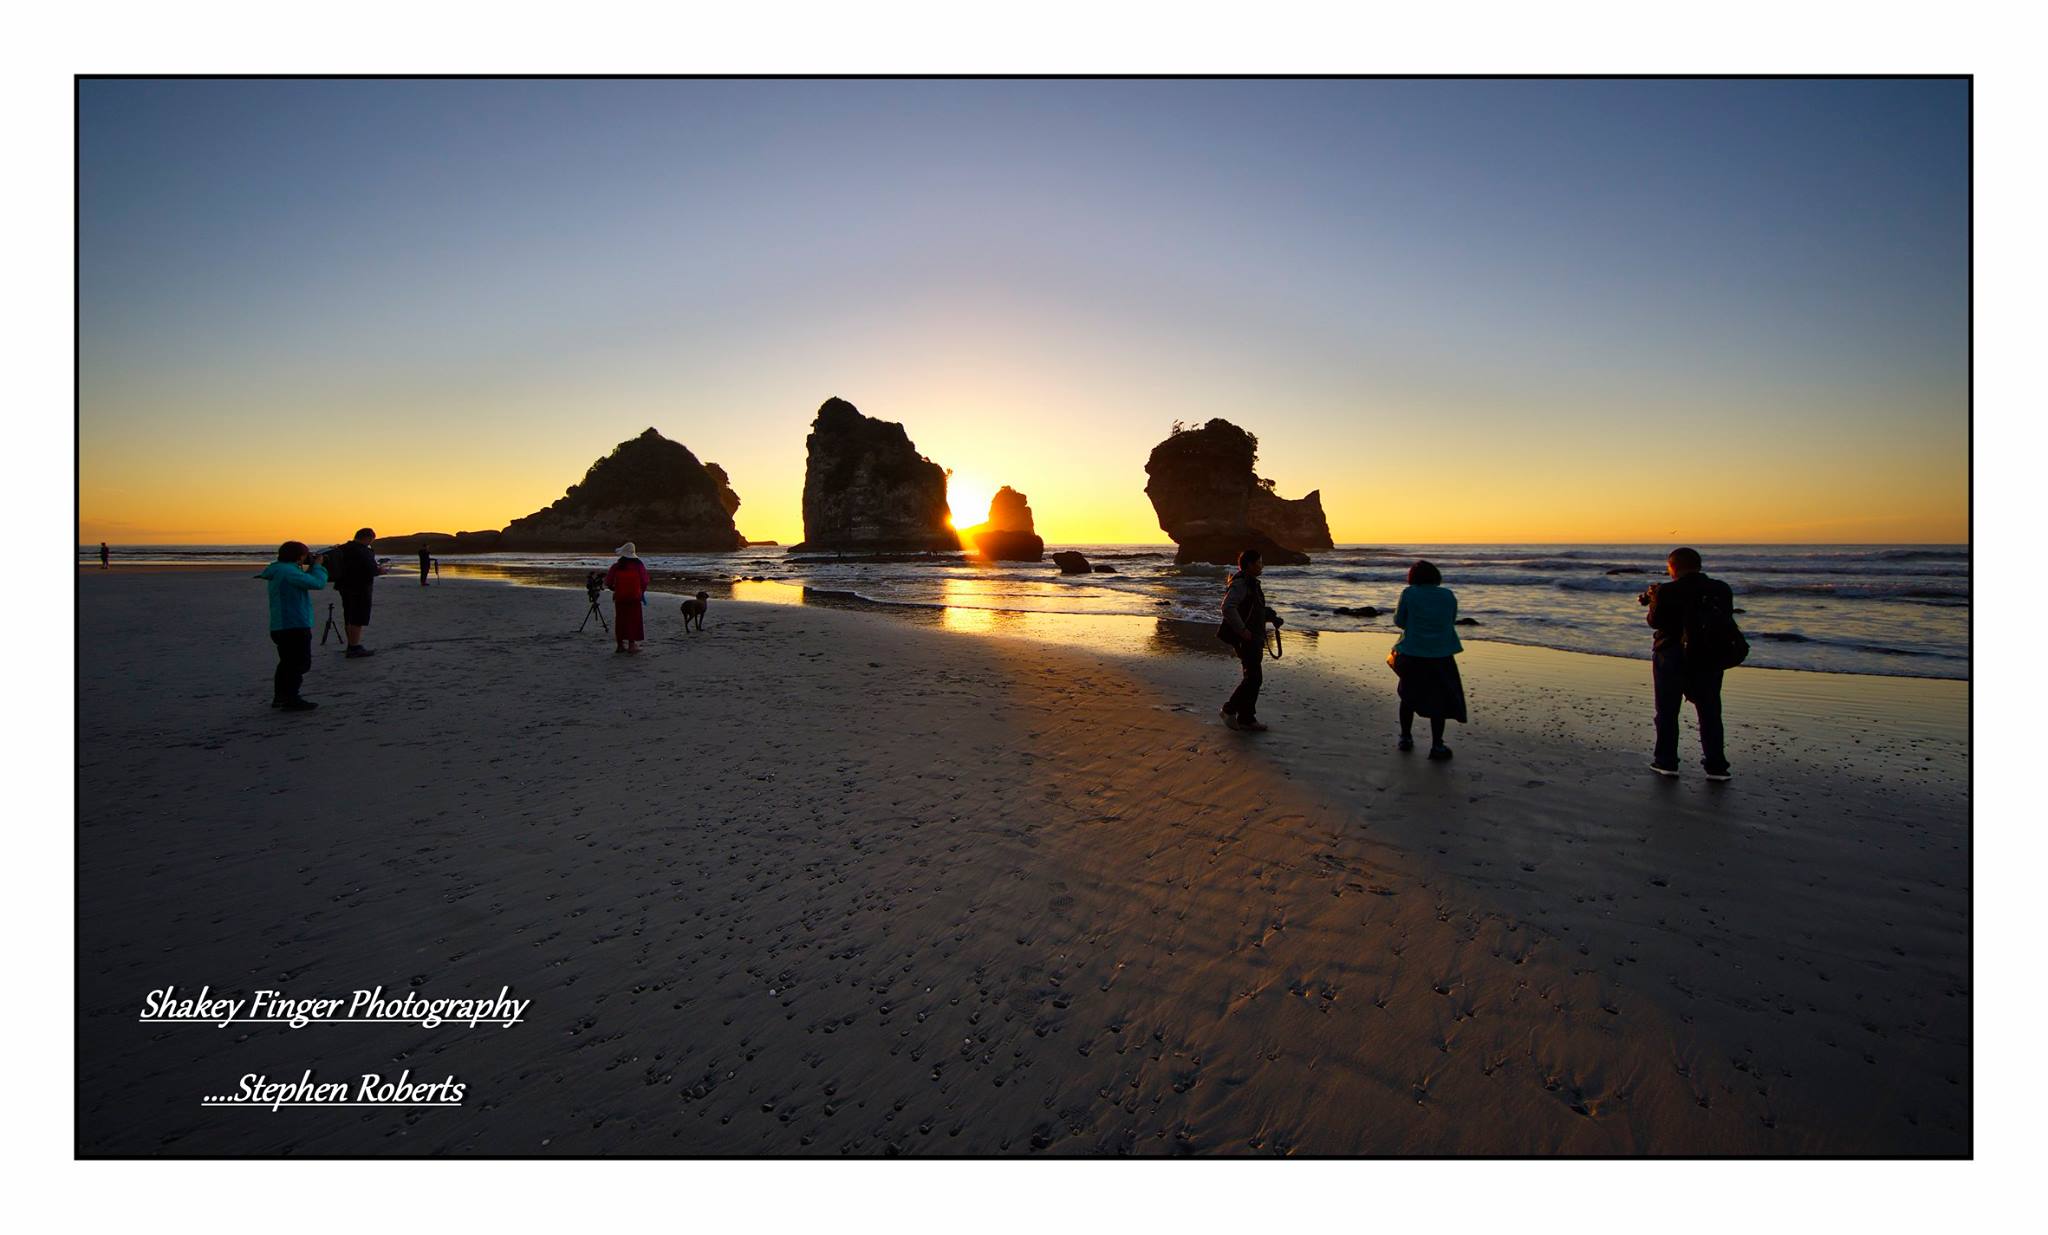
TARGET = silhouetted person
(355,572)
(629,581)
(1244,628)
(292,579)
(1690,608)
(426,564)
(1425,657)
(103,555)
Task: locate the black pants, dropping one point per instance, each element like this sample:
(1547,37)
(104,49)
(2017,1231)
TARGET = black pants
(1675,684)
(1244,701)
(294,657)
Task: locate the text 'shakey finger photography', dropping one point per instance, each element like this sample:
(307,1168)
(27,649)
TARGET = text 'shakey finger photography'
(1023,618)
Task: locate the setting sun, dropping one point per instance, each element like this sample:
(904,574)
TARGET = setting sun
(968,496)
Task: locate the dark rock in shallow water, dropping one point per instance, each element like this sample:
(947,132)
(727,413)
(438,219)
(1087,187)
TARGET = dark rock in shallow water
(1362,611)
(1626,570)
(440,542)
(1072,563)
(1466,622)
(648,490)
(867,490)
(1213,504)
(1100,569)
(1008,534)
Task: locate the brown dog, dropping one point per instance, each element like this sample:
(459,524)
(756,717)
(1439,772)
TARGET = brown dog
(693,610)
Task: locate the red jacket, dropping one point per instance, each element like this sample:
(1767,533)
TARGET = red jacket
(627,578)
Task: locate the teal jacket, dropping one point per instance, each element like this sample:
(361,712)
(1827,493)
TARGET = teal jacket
(1428,613)
(291,601)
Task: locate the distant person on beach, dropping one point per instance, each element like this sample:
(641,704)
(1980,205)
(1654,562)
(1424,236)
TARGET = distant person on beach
(292,578)
(629,581)
(1696,641)
(103,555)
(1244,628)
(426,564)
(355,573)
(1425,657)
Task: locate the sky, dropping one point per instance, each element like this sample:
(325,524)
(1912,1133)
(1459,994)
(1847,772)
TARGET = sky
(1500,311)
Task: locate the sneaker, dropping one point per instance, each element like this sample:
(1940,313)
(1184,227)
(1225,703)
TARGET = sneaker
(1720,775)
(1439,751)
(359,652)
(1251,726)
(1230,721)
(1661,770)
(298,705)
(1406,743)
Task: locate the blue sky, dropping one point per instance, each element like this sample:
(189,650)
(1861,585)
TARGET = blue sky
(1483,310)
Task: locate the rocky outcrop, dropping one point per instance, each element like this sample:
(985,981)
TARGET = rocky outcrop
(1008,535)
(648,490)
(1211,501)
(867,490)
(1071,563)
(438,543)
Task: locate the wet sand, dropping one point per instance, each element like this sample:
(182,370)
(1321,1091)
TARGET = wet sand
(823,881)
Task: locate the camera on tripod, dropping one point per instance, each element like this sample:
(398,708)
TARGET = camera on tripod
(593,583)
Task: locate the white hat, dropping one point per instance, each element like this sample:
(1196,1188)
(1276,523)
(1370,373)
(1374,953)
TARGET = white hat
(628,550)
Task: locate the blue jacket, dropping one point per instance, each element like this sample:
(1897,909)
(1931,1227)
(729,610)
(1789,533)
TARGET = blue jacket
(1428,613)
(291,602)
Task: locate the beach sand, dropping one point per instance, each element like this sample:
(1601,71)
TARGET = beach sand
(824,881)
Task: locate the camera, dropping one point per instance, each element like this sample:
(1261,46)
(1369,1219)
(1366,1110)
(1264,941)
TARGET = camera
(1647,595)
(593,583)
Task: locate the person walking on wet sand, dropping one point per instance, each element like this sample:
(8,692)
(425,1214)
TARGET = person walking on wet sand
(103,555)
(1425,657)
(1696,641)
(629,581)
(426,564)
(1244,628)
(292,578)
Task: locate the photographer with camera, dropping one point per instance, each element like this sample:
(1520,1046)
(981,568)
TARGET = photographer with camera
(292,578)
(1245,615)
(355,572)
(1696,641)
(628,579)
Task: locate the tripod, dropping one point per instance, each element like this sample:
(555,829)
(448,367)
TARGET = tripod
(593,612)
(331,628)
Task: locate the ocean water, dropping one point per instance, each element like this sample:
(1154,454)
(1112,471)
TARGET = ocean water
(1880,609)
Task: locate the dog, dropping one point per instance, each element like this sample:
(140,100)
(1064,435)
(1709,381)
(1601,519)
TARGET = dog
(693,610)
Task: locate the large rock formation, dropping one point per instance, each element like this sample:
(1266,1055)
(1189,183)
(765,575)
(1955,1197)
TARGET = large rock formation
(1008,535)
(867,490)
(1211,501)
(649,490)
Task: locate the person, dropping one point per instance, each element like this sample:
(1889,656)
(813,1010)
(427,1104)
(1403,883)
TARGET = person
(1674,678)
(292,579)
(1425,657)
(103,555)
(426,562)
(355,573)
(628,580)
(1244,628)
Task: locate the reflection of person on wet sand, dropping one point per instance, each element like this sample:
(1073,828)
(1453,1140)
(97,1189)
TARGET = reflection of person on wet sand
(628,581)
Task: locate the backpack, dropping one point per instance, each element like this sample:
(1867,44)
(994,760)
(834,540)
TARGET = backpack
(1710,638)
